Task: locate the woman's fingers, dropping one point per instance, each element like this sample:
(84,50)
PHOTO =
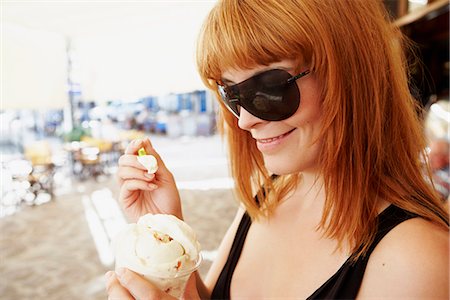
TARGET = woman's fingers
(134,185)
(133,146)
(147,144)
(115,290)
(125,173)
(130,160)
(138,286)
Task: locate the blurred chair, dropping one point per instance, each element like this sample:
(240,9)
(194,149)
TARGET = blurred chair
(39,154)
(104,152)
(90,162)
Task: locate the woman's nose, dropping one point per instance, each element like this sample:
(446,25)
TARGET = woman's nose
(247,121)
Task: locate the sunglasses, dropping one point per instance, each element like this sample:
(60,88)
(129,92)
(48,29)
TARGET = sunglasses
(271,95)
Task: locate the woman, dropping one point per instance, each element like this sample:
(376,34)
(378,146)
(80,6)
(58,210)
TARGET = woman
(323,130)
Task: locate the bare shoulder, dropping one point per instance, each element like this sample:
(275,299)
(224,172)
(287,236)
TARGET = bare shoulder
(410,262)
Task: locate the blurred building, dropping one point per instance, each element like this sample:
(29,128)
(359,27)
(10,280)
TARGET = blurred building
(426,23)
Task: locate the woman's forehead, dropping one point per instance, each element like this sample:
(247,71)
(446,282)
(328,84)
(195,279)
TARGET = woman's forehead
(235,75)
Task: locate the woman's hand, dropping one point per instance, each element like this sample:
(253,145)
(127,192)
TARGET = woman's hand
(127,285)
(142,193)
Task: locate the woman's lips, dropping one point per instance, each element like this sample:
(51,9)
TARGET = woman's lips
(265,145)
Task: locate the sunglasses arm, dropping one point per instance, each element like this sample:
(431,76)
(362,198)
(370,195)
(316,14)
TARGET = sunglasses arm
(294,78)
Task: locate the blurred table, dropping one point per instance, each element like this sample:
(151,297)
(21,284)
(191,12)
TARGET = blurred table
(92,157)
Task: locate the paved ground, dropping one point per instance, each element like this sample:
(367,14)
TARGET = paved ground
(60,249)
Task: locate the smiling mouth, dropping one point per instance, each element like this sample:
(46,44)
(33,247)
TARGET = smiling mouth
(269,140)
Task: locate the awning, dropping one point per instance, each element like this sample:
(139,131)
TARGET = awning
(124,50)
(34,69)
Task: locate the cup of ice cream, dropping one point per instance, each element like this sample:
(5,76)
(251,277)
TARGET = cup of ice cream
(160,247)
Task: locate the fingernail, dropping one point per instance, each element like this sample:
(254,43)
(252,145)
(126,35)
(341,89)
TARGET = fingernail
(120,272)
(152,186)
(149,176)
(108,274)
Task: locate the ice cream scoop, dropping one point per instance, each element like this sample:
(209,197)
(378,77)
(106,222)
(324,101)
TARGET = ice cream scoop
(162,248)
(148,161)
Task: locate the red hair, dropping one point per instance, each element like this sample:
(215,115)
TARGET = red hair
(373,142)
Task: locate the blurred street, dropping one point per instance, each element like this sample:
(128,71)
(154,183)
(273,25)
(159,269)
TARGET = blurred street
(61,249)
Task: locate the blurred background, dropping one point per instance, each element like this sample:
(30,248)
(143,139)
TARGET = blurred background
(80,79)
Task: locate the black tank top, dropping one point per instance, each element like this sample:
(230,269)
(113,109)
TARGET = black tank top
(344,284)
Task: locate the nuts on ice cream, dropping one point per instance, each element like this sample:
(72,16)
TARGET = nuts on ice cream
(160,247)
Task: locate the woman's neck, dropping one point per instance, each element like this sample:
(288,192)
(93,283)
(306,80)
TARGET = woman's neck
(309,194)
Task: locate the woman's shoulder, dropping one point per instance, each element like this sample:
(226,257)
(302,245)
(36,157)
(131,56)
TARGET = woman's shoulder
(411,261)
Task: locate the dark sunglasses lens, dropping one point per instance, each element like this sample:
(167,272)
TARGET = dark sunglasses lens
(229,99)
(268,96)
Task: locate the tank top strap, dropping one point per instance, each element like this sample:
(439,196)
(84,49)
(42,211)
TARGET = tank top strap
(345,283)
(387,220)
(222,288)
